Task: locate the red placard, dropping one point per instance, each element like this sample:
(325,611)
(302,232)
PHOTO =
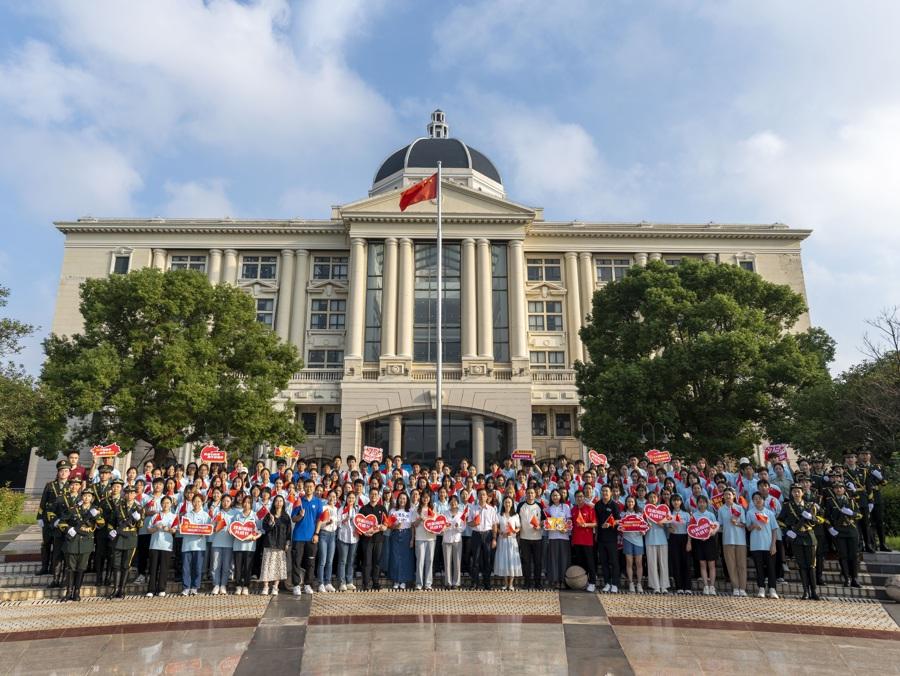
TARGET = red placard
(372,454)
(633,523)
(188,528)
(522,454)
(286,452)
(597,459)
(108,451)
(657,513)
(657,457)
(776,452)
(242,531)
(210,453)
(436,524)
(702,529)
(365,523)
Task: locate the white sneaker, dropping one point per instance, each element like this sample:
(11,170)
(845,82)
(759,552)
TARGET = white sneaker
(149,595)
(215,590)
(640,590)
(329,587)
(246,591)
(614,590)
(773,594)
(712,590)
(162,593)
(265,590)
(591,588)
(194,591)
(307,589)
(351,587)
(742,592)
(343,587)
(140,579)
(706,590)
(402,585)
(761,593)
(321,588)
(736,592)
(297,590)
(631,587)
(396,585)
(606,588)
(185,592)
(418,587)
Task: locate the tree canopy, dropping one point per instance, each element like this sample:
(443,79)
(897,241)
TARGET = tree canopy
(167,358)
(704,350)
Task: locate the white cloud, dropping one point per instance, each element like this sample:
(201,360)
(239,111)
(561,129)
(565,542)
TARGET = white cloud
(199,199)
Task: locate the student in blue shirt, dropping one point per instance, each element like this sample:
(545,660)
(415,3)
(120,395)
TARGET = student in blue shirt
(678,541)
(305,538)
(193,548)
(761,522)
(657,545)
(634,549)
(243,550)
(707,551)
(734,541)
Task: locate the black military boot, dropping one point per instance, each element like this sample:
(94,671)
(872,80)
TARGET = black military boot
(70,586)
(45,559)
(76,592)
(120,583)
(56,572)
(804,580)
(812,586)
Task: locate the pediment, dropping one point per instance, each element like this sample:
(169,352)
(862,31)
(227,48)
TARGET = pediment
(544,289)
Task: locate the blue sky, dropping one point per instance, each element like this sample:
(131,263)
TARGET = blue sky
(669,110)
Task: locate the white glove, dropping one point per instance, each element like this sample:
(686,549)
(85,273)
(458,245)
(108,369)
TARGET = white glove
(833,532)
(136,515)
(826,478)
(71,532)
(871,506)
(851,486)
(847,511)
(56,523)
(791,534)
(41,523)
(877,474)
(112,535)
(806,515)
(94,512)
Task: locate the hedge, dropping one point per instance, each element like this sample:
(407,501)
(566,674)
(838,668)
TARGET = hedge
(890,494)
(11,503)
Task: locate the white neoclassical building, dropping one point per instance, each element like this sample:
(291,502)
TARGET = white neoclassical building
(356,294)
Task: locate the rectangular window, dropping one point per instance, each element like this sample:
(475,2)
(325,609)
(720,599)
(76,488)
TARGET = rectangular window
(747,265)
(330,267)
(308,419)
(612,269)
(265,311)
(672,262)
(197,263)
(425,304)
(539,424)
(328,314)
(551,359)
(500,302)
(259,267)
(325,359)
(332,424)
(120,265)
(563,424)
(545,315)
(374,289)
(544,270)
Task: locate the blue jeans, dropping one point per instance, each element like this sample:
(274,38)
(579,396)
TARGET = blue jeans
(326,555)
(220,566)
(191,569)
(346,557)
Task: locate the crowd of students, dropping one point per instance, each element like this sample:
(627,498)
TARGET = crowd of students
(303,528)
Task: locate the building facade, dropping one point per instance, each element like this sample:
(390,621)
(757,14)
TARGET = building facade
(356,294)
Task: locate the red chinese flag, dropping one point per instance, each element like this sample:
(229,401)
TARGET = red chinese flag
(743,502)
(762,518)
(220,522)
(774,492)
(477,519)
(157,519)
(535,522)
(510,530)
(736,513)
(323,517)
(420,192)
(579,517)
(263,511)
(390,520)
(611,521)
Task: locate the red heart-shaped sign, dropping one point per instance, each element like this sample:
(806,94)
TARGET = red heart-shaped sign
(702,529)
(633,523)
(365,523)
(242,531)
(657,457)
(436,524)
(597,459)
(656,513)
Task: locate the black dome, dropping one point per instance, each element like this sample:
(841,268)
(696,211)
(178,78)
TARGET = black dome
(426,152)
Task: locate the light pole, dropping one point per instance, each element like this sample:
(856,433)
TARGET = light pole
(664,436)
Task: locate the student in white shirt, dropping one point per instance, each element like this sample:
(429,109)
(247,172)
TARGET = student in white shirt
(425,542)
(483,519)
(452,544)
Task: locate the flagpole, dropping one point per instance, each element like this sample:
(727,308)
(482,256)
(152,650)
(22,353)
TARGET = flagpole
(440,340)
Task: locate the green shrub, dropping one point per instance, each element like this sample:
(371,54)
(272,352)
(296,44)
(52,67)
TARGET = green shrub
(890,494)
(11,503)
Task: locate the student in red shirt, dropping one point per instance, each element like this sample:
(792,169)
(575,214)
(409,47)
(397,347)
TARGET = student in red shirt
(583,524)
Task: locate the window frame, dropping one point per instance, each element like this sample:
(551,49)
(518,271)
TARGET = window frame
(541,265)
(332,261)
(330,313)
(263,312)
(257,260)
(615,266)
(545,364)
(330,360)
(190,263)
(543,314)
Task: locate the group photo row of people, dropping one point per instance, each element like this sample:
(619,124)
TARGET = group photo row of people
(347,524)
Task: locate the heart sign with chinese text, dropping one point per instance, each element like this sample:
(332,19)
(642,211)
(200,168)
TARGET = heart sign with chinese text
(597,459)
(657,457)
(633,523)
(108,451)
(436,524)
(189,528)
(365,523)
(210,453)
(372,454)
(702,529)
(241,530)
(656,513)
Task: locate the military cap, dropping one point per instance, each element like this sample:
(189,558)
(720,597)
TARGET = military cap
(797,487)
(106,468)
(129,489)
(75,480)
(838,484)
(120,482)
(63,464)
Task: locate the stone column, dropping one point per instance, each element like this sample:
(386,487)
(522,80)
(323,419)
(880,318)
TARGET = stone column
(297,331)
(406,297)
(389,299)
(285,291)
(159,259)
(229,271)
(356,311)
(518,316)
(656,257)
(485,309)
(469,308)
(710,257)
(478,442)
(573,307)
(586,277)
(395,438)
(641,259)
(214,269)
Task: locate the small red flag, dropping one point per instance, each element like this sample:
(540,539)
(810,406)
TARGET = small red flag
(736,513)
(420,192)
(762,518)
(742,501)
(535,522)
(611,521)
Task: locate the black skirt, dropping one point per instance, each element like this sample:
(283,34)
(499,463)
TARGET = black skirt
(707,550)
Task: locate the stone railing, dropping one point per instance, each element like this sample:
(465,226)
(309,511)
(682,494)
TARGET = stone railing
(319,375)
(431,374)
(553,376)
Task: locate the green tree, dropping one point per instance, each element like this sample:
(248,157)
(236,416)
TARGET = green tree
(167,358)
(703,349)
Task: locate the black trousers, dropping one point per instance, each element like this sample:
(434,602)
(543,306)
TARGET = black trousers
(531,552)
(371,552)
(779,558)
(243,567)
(765,568)
(143,553)
(121,559)
(848,553)
(159,570)
(480,565)
(466,554)
(877,517)
(679,563)
(303,557)
(583,555)
(102,549)
(609,562)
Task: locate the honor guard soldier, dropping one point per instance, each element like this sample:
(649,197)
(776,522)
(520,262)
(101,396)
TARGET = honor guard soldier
(80,523)
(812,496)
(856,479)
(103,552)
(875,506)
(798,518)
(842,513)
(46,515)
(67,502)
(127,517)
